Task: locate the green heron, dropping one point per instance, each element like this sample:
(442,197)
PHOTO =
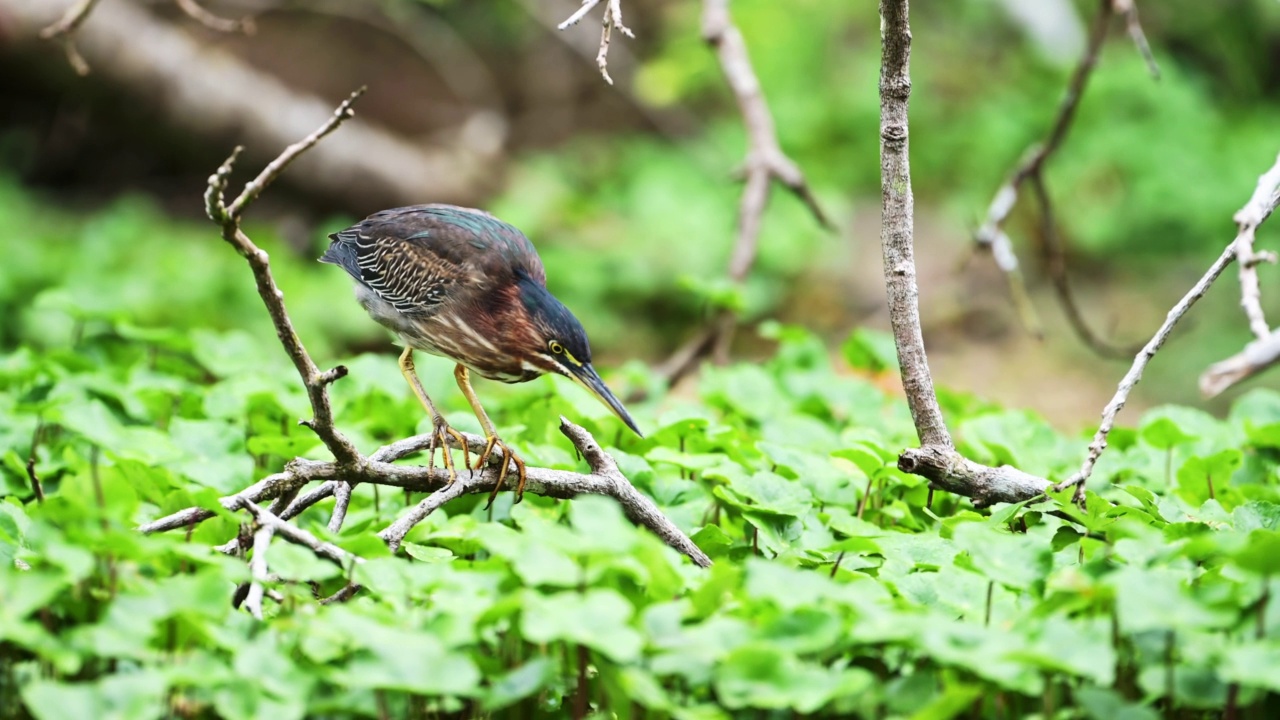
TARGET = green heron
(461,283)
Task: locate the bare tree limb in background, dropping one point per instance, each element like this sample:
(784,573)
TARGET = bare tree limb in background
(196,11)
(612,19)
(936,459)
(64,31)
(349,466)
(992,236)
(210,92)
(1264,351)
(765,163)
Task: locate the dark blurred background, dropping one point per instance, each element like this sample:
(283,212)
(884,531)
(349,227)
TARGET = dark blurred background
(628,190)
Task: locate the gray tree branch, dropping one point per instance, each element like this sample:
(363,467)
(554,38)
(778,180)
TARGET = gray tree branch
(611,19)
(992,236)
(765,164)
(936,459)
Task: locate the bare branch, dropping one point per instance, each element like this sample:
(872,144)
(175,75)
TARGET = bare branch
(64,31)
(196,11)
(991,234)
(937,458)
(258,570)
(1132,377)
(1256,357)
(1128,9)
(268,175)
(1056,262)
(612,19)
(765,164)
(346,593)
(298,536)
(897,225)
(228,218)
(605,479)
(949,470)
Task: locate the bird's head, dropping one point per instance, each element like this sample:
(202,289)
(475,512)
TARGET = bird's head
(559,345)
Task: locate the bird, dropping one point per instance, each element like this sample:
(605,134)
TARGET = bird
(460,283)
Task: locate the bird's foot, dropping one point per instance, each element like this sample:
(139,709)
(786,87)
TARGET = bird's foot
(441,432)
(509,458)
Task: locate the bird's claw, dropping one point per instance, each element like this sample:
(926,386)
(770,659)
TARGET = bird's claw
(509,457)
(440,433)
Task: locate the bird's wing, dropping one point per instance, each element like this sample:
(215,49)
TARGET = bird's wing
(417,257)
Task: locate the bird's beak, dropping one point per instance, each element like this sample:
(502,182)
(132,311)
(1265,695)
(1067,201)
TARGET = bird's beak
(587,378)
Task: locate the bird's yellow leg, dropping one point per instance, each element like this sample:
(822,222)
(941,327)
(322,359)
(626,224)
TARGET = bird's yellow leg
(439,428)
(509,457)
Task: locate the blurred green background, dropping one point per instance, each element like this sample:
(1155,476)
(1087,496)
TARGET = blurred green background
(628,190)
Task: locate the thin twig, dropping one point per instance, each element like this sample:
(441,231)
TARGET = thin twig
(992,236)
(298,536)
(258,570)
(342,501)
(36,486)
(1056,262)
(64,30)
(347,592)
(196,11)
(765,164)
(1129,10)
(228,218)
(1132,377)
(612,19)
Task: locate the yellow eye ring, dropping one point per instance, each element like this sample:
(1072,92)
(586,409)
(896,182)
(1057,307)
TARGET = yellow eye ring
(555,347)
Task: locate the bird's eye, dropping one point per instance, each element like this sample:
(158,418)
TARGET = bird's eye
(555,347)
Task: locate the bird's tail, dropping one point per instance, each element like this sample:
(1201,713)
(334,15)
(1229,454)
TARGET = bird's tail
(342,252)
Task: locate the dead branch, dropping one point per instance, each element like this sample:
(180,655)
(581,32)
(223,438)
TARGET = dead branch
(258,570)
(64,31)
(992,236)
(1264,350)
(1132,377)
(349,466)
(228,218)
(936,459)
(604,479)
(196,11)
(765,164)
(612,19)
(1257,356)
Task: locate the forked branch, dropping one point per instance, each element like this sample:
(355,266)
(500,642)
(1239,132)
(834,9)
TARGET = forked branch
(612,19)
(64,30)
(765,164)
(1264,350)
(992,236)
(937,458)
(339,477)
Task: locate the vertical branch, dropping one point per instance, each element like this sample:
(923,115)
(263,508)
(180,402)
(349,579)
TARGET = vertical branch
(896,228)
(765,164)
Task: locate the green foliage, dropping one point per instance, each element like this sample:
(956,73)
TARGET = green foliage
(837,589)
